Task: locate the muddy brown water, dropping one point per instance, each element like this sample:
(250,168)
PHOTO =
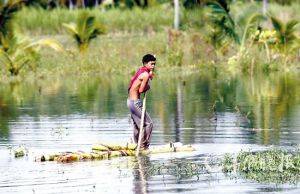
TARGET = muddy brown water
(216,114)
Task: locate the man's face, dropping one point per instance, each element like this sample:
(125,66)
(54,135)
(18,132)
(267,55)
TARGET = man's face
(150,65)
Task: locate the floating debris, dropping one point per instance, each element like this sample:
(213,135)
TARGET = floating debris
(19,151)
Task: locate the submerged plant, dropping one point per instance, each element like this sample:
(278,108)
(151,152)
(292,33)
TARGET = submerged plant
(84,30)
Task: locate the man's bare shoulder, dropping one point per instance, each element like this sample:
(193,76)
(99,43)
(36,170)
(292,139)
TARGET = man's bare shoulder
(144,75)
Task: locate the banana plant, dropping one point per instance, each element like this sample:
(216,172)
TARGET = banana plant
(24,53)
(84,30)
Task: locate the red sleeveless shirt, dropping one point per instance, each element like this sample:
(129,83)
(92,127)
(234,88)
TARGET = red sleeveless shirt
(136,75)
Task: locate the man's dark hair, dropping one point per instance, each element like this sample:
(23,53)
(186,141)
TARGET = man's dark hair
(148,58)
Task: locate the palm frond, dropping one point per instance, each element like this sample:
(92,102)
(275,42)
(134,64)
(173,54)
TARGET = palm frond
(71,28)
(277,24)
(251,23)
(47,42)
(220,10)
(290,26)
(221,19)
(23,53)
(7,11)
(285,31)
(4,58)
(85,29)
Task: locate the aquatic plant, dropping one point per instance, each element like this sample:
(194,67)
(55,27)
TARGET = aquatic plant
(273,177)
(279,164)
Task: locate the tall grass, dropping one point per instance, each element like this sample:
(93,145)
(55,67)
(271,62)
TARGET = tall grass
(40,21)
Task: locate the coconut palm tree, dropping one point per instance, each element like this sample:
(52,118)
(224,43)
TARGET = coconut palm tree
(22,53)
(7,11)
(285,33)
(222,23)
(84,30)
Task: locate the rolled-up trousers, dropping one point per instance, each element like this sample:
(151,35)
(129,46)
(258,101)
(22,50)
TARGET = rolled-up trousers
(135,107)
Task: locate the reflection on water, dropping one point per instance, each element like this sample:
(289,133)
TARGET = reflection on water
(216,113)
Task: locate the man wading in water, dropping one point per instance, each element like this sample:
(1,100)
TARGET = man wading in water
(139,83)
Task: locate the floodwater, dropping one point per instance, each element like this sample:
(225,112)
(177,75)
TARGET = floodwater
(215,113)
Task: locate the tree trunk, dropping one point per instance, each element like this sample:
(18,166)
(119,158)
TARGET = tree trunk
(265,6)
(176,14)
(138,3)
(145,3)
(71,6)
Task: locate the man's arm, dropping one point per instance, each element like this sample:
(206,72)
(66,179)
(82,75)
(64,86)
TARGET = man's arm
(144,77)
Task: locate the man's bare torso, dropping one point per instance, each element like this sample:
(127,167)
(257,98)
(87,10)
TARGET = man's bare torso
(135,90)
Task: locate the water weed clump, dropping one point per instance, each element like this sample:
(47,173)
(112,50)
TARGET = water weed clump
(179,169)
(266,166)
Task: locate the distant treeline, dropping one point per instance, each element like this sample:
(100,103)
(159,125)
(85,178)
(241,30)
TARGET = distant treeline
(71,4)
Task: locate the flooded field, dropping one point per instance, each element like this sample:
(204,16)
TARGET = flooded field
(215,114)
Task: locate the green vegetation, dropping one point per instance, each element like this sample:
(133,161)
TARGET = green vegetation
(287,41)
(7,11)
(17,52)
(38,21)
(85,29)
(232,37)
(275,165)
(24,53)
(265,161)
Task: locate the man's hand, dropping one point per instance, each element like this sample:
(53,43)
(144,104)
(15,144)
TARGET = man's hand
(151,74)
